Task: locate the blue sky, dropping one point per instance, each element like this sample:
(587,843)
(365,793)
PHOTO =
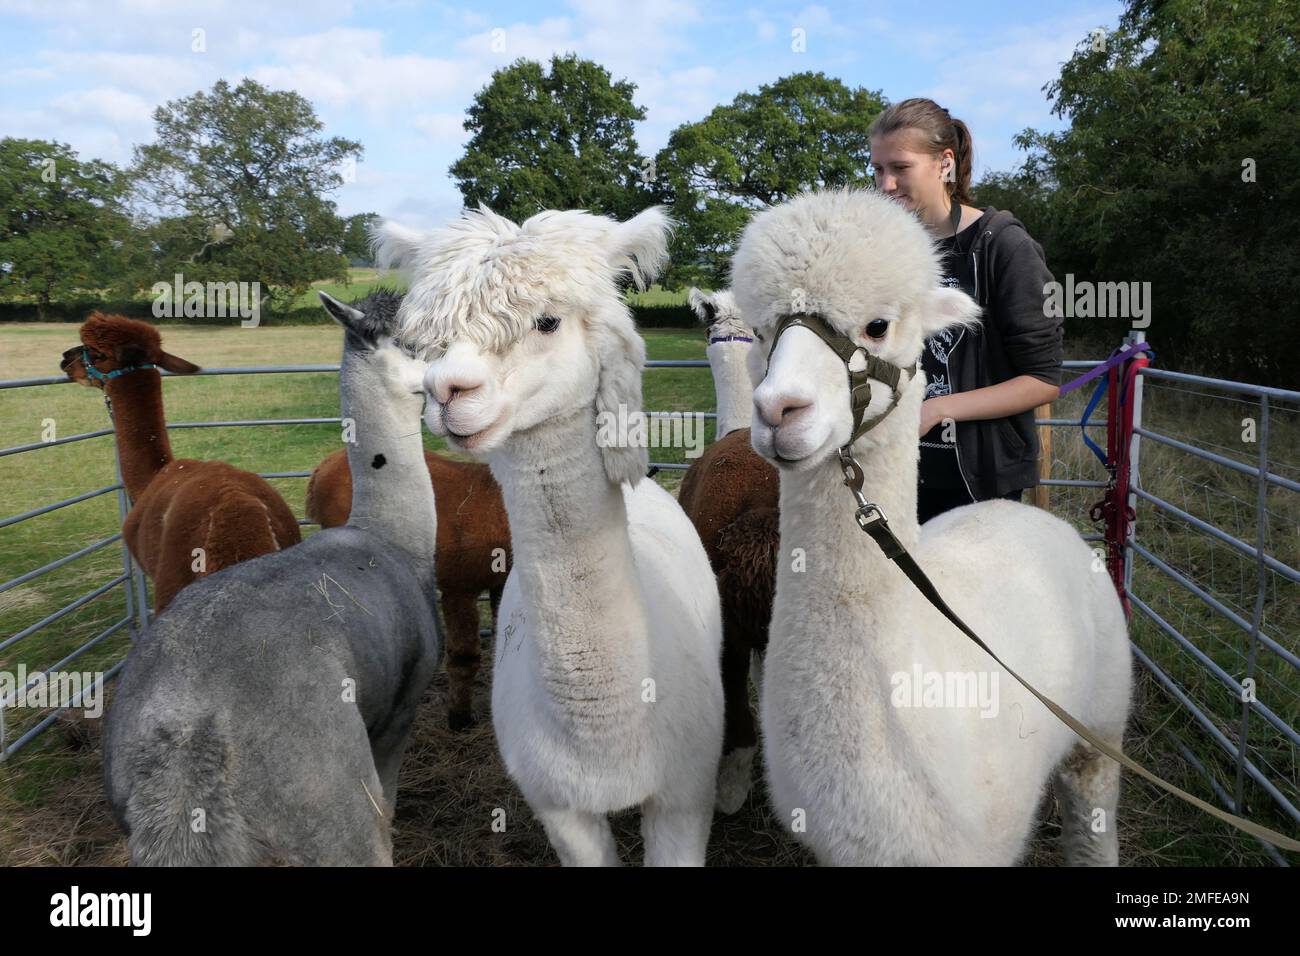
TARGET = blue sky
(398,75)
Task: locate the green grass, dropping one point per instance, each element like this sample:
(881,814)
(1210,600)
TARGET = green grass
(362,280)
(1155,828)
(45,475)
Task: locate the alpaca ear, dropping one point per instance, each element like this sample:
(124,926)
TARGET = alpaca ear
(944,308)
(394,245)
(640,245)
(622,356)
(701,306)
(342,313)
(177,365)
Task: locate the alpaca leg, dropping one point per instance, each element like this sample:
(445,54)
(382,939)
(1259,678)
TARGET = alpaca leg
(674,836)
(1087,789)
(494,602)
(460,612)
(580,838)
(740,742)
(756,670)
(388,752)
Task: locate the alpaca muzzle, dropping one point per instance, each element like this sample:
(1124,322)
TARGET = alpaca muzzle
(859,379)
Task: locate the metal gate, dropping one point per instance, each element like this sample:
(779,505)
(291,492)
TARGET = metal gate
(1246,647)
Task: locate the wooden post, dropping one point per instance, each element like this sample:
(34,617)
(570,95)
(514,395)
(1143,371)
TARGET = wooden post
(1042,493)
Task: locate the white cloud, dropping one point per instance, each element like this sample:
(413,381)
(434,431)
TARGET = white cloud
(446,130)
(104,103)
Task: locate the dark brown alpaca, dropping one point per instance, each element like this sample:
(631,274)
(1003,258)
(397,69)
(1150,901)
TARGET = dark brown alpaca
(179,504)
(731,496)
(472,556)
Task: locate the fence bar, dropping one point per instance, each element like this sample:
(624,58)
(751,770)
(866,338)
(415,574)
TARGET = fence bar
(35,512)
(1273,563)
(1071,483)
(27,738)
(98,638)
(58,563)
(1224,797)
(1241,388)
(1221,459)
(257,421)
(254,370)
(1215,603)
(1070,422)
(1216,671)
(61,612)
(668,466)
(27,382)
(57,441)
(1168,683)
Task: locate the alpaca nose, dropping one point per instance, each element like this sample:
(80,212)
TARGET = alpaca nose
(444,384)
(775,407)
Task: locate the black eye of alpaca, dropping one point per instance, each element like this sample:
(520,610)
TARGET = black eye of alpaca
(877,328)
(547,324)
(759,336)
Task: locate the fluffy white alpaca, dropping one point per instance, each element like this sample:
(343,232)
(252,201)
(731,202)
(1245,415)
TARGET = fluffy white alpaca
(606,691)
(872,777)
(730,342)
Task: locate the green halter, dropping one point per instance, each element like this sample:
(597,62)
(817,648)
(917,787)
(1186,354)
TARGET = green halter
(859,384)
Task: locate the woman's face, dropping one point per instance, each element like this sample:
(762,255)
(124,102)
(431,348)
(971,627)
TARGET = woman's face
(914,179)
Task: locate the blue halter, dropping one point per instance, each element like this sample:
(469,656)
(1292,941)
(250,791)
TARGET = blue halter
(108,376)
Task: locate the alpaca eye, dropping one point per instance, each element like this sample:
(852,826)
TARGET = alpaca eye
(547,324)
(877,328)
(759,336)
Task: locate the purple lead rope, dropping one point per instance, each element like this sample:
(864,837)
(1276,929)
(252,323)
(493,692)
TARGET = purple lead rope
(1121,356)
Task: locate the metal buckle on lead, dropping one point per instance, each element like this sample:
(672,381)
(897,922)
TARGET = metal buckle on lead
(853,479)
(864,512)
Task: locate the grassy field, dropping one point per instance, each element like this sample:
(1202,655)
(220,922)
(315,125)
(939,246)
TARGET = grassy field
(51,810)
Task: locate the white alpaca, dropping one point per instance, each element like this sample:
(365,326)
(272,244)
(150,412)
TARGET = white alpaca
(730,342)
(868,776)
(606,691)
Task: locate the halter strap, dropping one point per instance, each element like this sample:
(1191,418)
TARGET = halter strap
(108,376)
(859,380)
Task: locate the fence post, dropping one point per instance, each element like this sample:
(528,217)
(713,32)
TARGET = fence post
(123,509)
(1042,494)
(1257,618)
(1134,456)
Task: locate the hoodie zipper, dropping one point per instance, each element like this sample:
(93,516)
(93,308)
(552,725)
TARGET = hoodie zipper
(956,446)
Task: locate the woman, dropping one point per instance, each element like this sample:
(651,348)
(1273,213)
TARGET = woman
(978,439)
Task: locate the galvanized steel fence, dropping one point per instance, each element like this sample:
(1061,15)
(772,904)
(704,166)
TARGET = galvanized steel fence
(1268,696)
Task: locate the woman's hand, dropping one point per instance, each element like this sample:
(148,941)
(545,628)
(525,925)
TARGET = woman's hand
(933,411)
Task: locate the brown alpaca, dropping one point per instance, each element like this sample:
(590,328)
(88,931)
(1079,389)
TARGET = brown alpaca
(731,496)
(472,556)
(179,504)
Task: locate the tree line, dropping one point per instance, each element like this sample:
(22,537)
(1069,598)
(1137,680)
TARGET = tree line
(1177,166)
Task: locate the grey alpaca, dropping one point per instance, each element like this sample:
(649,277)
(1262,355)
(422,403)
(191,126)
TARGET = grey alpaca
(263,716)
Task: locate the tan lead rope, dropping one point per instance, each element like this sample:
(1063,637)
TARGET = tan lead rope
(872,520)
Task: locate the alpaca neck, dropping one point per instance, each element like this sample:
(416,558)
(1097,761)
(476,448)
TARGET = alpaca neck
(573,557)
(735,393)
(391,493)
(845,567)
(141,428)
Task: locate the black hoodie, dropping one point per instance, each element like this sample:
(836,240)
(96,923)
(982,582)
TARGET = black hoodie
(1015,337)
